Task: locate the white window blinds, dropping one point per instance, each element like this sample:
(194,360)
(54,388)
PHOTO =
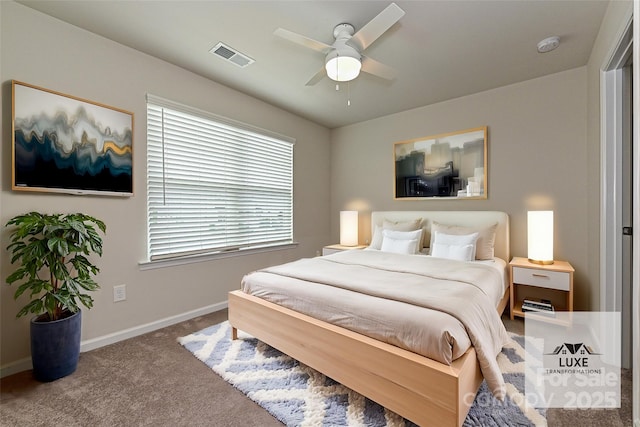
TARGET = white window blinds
(214,184)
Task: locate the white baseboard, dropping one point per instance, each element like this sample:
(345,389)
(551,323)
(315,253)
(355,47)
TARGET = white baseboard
(94,343)
(98,342)
(15,367)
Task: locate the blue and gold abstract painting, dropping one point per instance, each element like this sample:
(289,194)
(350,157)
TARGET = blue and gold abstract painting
(67,144)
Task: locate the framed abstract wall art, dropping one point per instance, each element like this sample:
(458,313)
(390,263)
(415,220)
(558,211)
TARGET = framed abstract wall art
(66,144)
(451,165)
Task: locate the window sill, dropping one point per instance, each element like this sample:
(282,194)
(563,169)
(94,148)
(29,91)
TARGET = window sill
(172,262)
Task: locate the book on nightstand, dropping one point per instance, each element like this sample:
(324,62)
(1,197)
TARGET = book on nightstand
(538,305)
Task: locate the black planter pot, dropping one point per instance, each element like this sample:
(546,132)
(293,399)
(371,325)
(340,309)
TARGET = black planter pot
(55,347)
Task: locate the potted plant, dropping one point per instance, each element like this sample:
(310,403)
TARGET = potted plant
(55,272)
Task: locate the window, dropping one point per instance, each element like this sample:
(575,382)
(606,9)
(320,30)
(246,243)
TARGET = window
(213,184)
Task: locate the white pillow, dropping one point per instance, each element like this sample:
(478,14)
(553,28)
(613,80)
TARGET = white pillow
(410,225)
(486,236)
(401,242)
(457,247)
(376,239)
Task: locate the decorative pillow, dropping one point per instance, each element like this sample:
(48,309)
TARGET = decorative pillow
(486,237)
(376,240)
(412,225)
(401,242)
(451,246)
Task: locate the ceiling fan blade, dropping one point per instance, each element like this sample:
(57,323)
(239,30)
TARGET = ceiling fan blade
(317,77)
(371,66)
(302,40)
(376,27)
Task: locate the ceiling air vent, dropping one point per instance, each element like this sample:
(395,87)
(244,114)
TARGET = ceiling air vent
(230,54)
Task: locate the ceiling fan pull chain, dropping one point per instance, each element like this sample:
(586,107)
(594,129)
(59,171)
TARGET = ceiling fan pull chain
(348,94)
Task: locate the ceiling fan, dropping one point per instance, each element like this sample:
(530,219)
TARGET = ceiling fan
(344,59)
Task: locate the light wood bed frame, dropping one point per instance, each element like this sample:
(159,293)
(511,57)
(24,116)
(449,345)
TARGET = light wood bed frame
(420,389)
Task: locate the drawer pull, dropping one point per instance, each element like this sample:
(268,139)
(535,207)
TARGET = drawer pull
(540,275)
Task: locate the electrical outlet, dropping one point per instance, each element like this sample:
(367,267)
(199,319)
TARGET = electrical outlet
(119,293)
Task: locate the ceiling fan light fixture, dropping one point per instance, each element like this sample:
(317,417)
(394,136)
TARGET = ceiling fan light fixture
(343,68)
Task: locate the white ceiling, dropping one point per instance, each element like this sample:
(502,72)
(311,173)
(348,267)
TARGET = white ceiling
(440,49)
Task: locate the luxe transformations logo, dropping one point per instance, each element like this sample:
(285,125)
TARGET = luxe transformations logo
(573,360)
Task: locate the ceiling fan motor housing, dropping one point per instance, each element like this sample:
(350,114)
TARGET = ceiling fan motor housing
(343,30)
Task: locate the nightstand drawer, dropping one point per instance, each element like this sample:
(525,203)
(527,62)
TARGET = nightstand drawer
(541,278)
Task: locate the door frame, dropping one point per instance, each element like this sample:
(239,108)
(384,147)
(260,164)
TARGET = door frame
(611,183)
(611,139)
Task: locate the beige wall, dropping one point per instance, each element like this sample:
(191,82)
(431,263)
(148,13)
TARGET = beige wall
(537,160)
(43,51)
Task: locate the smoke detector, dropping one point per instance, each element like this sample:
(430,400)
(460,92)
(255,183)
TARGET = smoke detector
(548,44)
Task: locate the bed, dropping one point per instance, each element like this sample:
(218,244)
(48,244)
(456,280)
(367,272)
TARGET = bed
(426,389)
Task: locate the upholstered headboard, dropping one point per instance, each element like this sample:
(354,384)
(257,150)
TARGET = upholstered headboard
(464,218)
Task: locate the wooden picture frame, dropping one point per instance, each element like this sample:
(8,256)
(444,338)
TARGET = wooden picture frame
(449,165)
(65,144)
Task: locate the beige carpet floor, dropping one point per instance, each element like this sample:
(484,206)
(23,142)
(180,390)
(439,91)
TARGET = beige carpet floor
(151,380)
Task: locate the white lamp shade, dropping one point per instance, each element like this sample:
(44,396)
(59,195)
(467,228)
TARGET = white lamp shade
(349,228)
(343,68)
(540,236)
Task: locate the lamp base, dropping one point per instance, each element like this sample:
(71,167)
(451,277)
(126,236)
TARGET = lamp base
(541,262)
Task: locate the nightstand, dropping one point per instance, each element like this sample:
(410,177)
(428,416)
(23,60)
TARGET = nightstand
(553,282)
(331,249)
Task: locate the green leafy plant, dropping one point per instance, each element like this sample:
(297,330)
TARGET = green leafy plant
(54,246)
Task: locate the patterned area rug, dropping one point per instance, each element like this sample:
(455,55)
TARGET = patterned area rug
(300,396)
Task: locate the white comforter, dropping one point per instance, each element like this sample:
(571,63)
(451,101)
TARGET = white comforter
(383,285)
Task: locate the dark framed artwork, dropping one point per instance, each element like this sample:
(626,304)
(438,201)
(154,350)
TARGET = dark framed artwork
(66,144)
(450,165)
